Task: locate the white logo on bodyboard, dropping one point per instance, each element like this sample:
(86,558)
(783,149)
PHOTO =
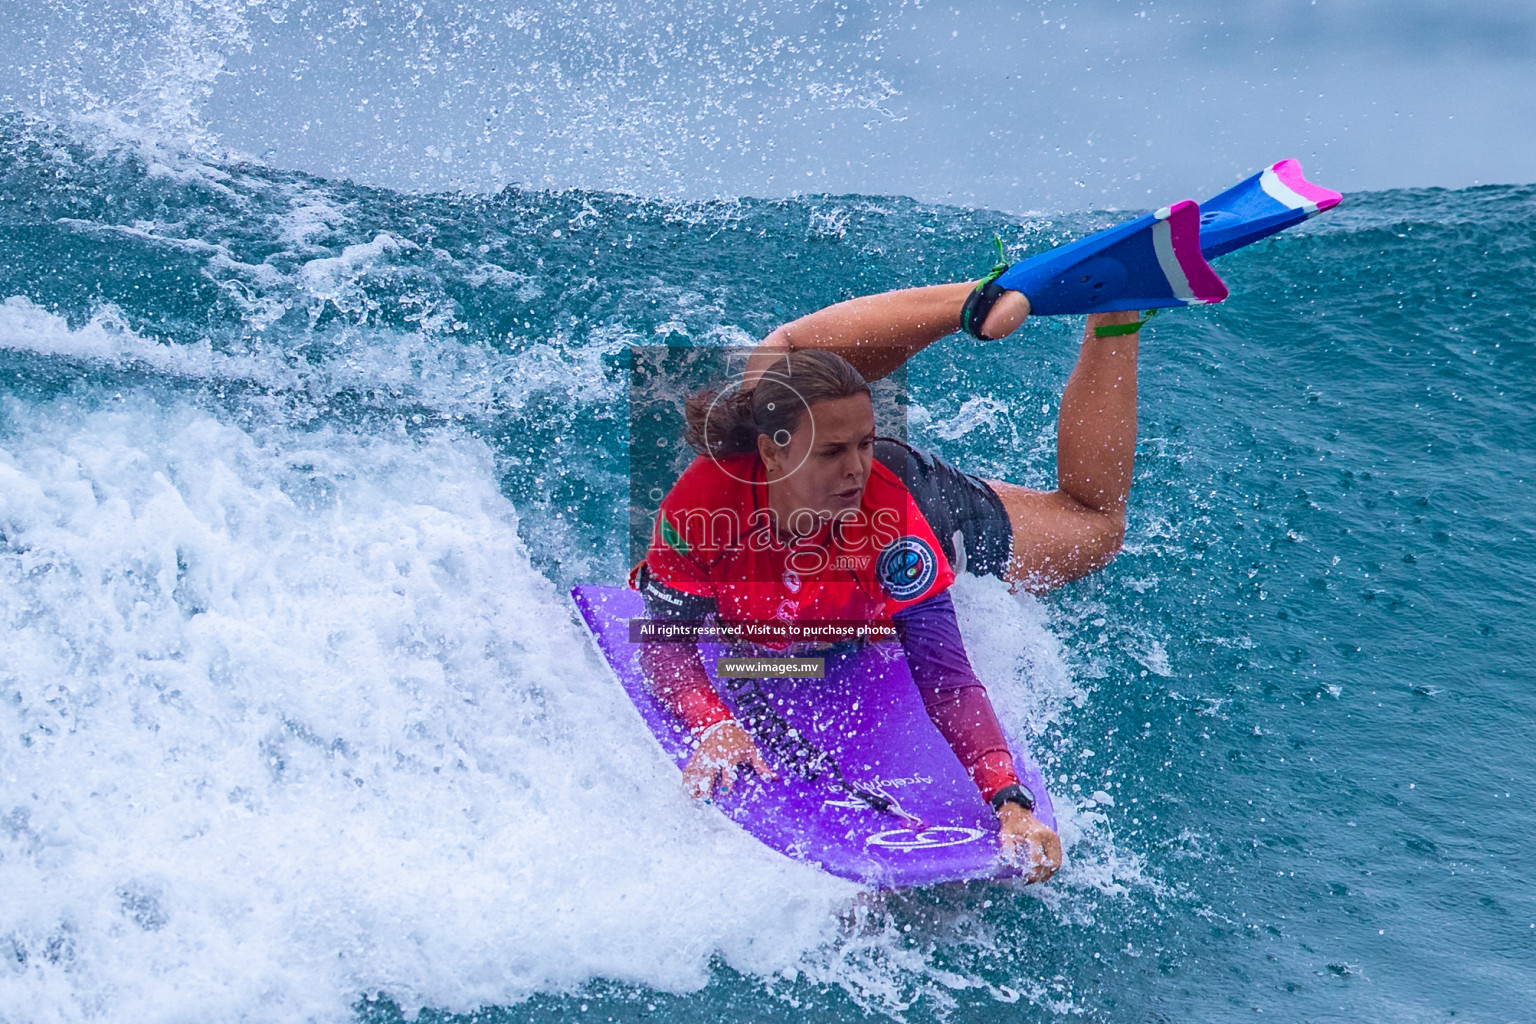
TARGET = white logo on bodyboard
(924,838)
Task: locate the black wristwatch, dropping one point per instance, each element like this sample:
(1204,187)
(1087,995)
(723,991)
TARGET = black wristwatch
(1014,794)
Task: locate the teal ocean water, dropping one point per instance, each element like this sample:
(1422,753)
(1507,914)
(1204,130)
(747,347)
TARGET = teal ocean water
(296,723)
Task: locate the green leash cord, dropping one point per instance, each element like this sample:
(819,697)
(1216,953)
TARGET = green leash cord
(1116,330)
(997,268)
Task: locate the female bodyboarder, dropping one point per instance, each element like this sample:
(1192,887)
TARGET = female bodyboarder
(825,520)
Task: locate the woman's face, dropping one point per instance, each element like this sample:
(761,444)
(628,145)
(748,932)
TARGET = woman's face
(825,465)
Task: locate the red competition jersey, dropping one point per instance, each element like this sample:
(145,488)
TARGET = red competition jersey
(714,538)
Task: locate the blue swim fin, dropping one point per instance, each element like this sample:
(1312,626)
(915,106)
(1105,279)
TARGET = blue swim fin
(1270,201)
(1148,263)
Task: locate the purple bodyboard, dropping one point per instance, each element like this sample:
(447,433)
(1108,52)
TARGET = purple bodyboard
(841,746)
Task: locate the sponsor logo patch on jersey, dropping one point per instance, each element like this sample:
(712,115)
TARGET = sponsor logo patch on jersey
(907,567)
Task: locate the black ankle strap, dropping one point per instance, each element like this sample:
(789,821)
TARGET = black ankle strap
(983,297)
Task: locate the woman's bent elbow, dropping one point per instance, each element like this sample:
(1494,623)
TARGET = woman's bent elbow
(1111,538)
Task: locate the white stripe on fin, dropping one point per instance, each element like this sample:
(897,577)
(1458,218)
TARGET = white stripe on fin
(1162,244)
(1282,193)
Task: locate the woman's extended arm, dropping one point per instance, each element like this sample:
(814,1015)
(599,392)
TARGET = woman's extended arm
(877,333)
(957,703)
(955,699)
(676,676)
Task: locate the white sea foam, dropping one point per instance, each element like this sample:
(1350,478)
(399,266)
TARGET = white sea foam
(290,719)
(107,338)
(978,412)
(287,717)
(412,367)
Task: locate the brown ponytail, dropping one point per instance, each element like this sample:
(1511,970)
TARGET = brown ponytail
(729,425)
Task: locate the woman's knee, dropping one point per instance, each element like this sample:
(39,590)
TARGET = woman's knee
(1115,537)
(1112,535)
(1101,544)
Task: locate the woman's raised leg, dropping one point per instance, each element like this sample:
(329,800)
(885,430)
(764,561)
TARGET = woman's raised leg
(1063,534)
